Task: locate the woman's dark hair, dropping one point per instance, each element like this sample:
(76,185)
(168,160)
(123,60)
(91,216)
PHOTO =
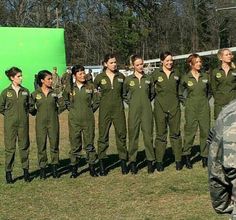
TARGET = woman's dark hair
(133,58)
(12,72)
(165,54)
(77,68)
(106,58)
(42,75)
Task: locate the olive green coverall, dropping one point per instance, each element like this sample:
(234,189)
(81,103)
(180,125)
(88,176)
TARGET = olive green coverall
(47,109)
(223,88)
(81,104)
(138,95)
(167,113)
(16,125)
(111,110)
(197,111)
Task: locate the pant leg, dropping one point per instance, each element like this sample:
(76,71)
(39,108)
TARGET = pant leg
(53,135)
(190,129)
(104,125)
(75,141)
(134,123)
(120,133)
(161,132)
(175,137)
(10,136)
(204,125)
(41,140)
(147,130)
(88,137)
(24,143)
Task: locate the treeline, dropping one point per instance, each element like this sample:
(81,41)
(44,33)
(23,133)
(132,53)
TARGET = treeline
(147,27)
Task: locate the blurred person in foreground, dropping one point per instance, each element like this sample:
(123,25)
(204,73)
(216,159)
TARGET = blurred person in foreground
(222,161)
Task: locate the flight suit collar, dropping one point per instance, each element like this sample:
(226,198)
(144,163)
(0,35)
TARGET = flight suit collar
(220,68)
(161,70)
(143,76)
(190,75)
(40,90)
(75,85)
(21,88)
(104,74)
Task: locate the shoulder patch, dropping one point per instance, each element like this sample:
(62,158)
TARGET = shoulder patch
(218,75)
(132,83)
(9,94)
(38,96)
(160,79)
(103,81)
(190,83)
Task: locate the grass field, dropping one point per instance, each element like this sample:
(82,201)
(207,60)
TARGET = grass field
(167,195)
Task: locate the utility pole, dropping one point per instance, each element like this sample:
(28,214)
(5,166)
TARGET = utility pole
(57,18)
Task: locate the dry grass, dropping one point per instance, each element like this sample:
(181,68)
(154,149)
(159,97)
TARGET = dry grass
(168,195)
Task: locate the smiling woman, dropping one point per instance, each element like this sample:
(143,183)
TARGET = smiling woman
(167,110)
(47,104)
(223,81)
(196,84)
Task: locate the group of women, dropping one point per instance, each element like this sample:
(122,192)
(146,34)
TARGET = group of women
(166,86)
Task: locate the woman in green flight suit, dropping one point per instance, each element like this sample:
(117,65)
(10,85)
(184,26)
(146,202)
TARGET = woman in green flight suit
(14,105)
(196,86)
(138,93)
(109,84)
(80,100)
(167,110)
(47,104)
(223,81)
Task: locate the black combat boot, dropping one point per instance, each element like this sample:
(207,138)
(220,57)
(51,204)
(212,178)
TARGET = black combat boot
(92,170)
(74,171)
(178,165)
(55,173)
(150,167)
(204,162)
(102,168)
(124,168)
(188,162)
(26,175)
(133,168)
(9,179)
(43,173)
(159,166)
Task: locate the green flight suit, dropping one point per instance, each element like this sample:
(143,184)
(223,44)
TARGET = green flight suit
(111,110)
(16,125)
(223,88)
(81,105)
(47,109)
(138,95)
(197,111)
(167,113)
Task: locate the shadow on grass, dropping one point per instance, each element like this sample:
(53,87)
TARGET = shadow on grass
(112,162)
(169,156)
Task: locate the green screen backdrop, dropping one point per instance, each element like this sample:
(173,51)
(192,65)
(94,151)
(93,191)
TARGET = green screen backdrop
(31,50)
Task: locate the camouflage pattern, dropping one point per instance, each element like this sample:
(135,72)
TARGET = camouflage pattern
(222,161)
(56,83)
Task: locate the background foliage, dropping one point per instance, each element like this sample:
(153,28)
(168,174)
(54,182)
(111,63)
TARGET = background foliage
(147,27)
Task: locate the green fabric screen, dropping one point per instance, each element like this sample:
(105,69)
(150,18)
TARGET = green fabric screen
(31,50)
